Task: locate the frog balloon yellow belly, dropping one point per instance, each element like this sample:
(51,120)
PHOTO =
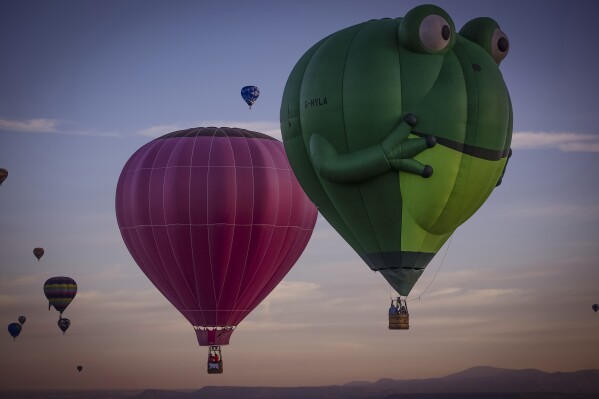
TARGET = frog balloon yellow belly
(399,130)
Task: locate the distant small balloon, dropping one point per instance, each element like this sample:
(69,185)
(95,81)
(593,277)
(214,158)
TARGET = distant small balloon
(250,94)
(79,368)
(595,307)
(60,291)
(14,329)
(3,175)
(38,252)
(22,319)
(64,324)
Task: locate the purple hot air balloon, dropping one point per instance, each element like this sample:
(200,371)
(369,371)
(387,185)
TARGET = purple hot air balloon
(215,219)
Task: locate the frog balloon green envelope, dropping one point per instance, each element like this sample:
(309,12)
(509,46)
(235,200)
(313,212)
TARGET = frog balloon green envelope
(399,130)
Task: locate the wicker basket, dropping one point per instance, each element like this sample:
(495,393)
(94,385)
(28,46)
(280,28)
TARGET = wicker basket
(399,321)
(215,370)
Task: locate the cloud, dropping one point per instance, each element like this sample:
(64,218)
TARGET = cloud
(563,141)
(42,125)
(292,290)
(455,297)
(30,125)
(8,300)
(17,282)
(288,294)
(444,292)
(478,295)
(261,325)
(269,128)
(124,300)
(160,130)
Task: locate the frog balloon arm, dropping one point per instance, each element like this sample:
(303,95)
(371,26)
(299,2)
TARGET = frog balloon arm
(395,152)
(346,168)
(509,155)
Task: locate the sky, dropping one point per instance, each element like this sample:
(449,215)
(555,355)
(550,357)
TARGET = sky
(83,84)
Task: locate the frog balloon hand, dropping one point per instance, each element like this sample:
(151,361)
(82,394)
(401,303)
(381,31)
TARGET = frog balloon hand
(401,158)
(399,134)
(400,150)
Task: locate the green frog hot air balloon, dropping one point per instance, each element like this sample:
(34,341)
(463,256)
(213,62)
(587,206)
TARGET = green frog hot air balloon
(399,130)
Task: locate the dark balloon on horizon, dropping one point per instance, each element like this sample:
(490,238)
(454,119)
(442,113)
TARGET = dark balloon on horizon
(38,253)
(14,330)
(3,175)
(64,324)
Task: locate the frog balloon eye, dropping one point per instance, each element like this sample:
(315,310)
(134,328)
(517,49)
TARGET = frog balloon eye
(434,32)
(427,29)
(486,33)
(500,45)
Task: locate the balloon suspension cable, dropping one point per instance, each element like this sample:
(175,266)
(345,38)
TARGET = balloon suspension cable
(437,272)
(446,249)
(386,285)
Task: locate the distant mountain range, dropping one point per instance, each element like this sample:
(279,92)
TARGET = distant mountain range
(474,383)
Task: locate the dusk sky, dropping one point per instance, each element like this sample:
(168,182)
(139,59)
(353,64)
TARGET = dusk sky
(84,84)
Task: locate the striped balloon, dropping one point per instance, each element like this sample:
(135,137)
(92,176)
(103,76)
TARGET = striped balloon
(60,291)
